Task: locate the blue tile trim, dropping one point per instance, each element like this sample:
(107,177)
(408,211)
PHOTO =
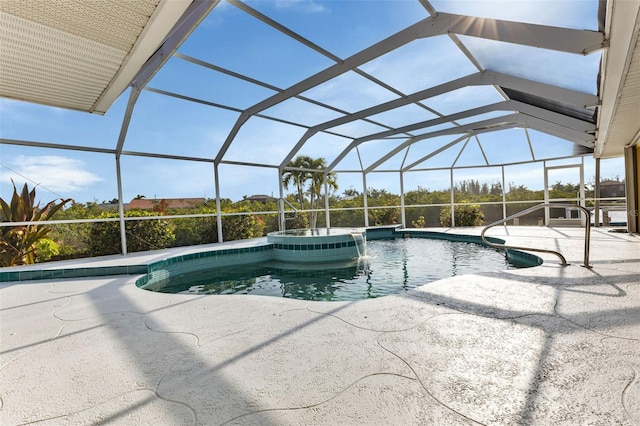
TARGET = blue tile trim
(304,247)
(81,272)
(521,258)
(87,272)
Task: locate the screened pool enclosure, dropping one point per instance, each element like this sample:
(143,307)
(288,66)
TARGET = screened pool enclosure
(414,107)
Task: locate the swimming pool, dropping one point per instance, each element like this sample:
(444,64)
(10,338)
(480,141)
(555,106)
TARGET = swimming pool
(390,266)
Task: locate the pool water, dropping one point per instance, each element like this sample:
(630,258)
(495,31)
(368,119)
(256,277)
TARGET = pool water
(389,267)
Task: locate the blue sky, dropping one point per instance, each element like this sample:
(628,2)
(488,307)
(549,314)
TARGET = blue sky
(232,39)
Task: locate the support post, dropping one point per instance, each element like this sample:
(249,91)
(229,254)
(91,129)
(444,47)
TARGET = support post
(504,196)
(453,215)
(123,233)
(327,220)
(596,195)
(581,201)
(632,187)
(126,120)
(402,211)
(281,218)
(547,215)
(364,199)
(218,210)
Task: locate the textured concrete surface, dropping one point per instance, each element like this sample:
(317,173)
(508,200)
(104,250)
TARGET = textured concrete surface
(546,345)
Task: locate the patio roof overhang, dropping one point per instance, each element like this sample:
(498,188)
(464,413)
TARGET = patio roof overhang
(82,55)
(618,123)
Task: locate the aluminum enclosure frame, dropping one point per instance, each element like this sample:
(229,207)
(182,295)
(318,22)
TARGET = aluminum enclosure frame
(518,114)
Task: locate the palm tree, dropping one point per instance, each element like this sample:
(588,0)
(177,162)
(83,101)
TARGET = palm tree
(297,176)
(299,172)
(316,185)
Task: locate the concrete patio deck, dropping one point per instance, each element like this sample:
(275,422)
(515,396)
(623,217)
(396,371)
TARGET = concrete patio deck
(545,345)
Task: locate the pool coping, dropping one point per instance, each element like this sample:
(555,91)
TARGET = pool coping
(148,262)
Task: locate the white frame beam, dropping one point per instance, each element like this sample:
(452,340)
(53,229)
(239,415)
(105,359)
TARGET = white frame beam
(541,36)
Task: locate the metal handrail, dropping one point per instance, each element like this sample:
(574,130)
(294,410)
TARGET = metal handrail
(283,217)
(587,232)
(295,211)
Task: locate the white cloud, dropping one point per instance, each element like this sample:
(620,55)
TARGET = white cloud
(51,172)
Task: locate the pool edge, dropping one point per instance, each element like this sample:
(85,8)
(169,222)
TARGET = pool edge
(394,231)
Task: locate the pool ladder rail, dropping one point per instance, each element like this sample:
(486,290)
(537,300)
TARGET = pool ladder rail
(587,232)
(285,218)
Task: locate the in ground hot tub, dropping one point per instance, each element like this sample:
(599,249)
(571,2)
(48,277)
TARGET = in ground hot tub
(317,245)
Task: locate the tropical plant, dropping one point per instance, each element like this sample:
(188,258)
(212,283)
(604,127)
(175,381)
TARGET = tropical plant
(18,244)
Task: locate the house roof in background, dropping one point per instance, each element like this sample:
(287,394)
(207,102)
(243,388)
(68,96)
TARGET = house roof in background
(171,203)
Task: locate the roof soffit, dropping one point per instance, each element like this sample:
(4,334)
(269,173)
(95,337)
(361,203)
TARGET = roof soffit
(79,54)
(618,124)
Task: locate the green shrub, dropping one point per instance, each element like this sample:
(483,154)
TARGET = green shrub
(381,217)
(205,230)
(420,222)
(241,227)
(72,237)
(347,218)
(465,215)
(194,231)
(271,222)
(45,249)
(300,221)
(142,235)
